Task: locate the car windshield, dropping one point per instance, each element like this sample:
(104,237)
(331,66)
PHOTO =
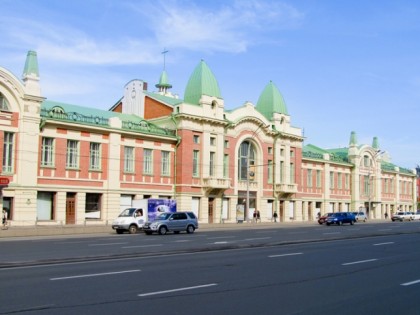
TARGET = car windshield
(127,212)
(163,216)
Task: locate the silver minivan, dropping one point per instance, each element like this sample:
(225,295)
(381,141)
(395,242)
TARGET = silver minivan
(172,222)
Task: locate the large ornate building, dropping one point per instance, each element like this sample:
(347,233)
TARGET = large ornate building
(68,164)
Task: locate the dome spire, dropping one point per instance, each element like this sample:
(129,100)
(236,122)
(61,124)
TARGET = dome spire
(164,84)
(271,101)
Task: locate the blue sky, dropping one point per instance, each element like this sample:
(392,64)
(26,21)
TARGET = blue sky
(341,66)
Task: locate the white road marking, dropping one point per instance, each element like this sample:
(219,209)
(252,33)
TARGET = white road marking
(410,283)
(107,244)
(181,241)
(224,242)
(282,255)
(386,243)
(94,275)
(179,289)
(331,233)
(256,238)
(358,262)
(219,237)
(134,246)
(382,230)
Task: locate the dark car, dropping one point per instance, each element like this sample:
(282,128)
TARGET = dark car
(172,222)
(323,218)
(340,218)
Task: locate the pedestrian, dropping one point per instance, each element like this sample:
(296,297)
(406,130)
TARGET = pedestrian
(255,216)
(386,215)
(258,216)
(4,219)
(275,216)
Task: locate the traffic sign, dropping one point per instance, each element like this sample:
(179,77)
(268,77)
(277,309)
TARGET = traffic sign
(4,181)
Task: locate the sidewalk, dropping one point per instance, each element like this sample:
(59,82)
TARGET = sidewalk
(48,230)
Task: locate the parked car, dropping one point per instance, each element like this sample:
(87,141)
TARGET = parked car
(360,216)
(340,218)
(172,222)
(401,216)
(322,218)
(416,215)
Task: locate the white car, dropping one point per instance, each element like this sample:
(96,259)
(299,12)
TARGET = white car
(360,216)
(415,215)
(401,216)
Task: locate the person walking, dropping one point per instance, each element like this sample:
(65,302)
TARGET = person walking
(275,216)
(386,215)
(4,219)
(258,216)
(255,216)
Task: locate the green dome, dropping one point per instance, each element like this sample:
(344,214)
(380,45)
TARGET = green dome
(271,101)
(202,82)
(163,81)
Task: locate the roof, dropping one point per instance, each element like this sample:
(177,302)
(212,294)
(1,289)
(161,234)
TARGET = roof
(31,64)
(163,80)
(202,82)
(271,101)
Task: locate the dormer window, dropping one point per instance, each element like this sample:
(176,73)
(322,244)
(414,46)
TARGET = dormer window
(4,104)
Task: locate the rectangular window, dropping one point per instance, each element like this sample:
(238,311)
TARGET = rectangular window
(211,163)
(281,172)
(270,172)
(366,185)
(147,161)
(93,206)
(270,150)
(292,154)
(129,159)
(212,141)
(226,144)
(226,165)
(292,173)
(47,152)
(72,156)
(45,206)
(309,179)
(331,180)
(8,152)
(347,181)
(196,139)
(95,156)
(318,179)
(165,163)
(340,180)
(196,157)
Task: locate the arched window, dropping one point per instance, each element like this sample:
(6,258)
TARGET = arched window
(246,161)
(4,104)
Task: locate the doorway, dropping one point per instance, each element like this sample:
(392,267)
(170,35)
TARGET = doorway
(71,208)
(211,206)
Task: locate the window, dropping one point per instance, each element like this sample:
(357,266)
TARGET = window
(270,150)
(347,181)
(45,206)
(270,172)
(366,185)
(226,165)
(292,154)
(318,179)
(340,180)
(331,180)
(246,158)
(282,152)
(226,144)
(4,105)
(366,161)
(95,156)
(128,159)
(47,152)
(281,171)
(292,173)
(196,139)
(93,206)
(211,163)
(309,179)
(8,152)
(72,156)
(212,141)
(196,158)
(147,161)
(165,163)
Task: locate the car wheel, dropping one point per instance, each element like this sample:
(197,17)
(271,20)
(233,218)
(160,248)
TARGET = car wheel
(148,233)
(163,230)
(364,220)
(190,229)
(119,231)
(132,229)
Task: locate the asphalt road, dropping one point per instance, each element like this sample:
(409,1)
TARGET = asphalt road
(284,271)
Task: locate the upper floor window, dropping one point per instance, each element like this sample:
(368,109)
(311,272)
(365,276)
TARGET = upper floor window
(165,163)
(211,163)
(196,163)
(212,141)
(47,152)
(366,161)
(226,165)
(270,150)
(318,178)
(147,161)
(196,139)
(270,172)
(72,154)
(8,152)
(246,159)
(128,159)
(95,156)
(309,178)
(226,144)
(331,180)
(4,104)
